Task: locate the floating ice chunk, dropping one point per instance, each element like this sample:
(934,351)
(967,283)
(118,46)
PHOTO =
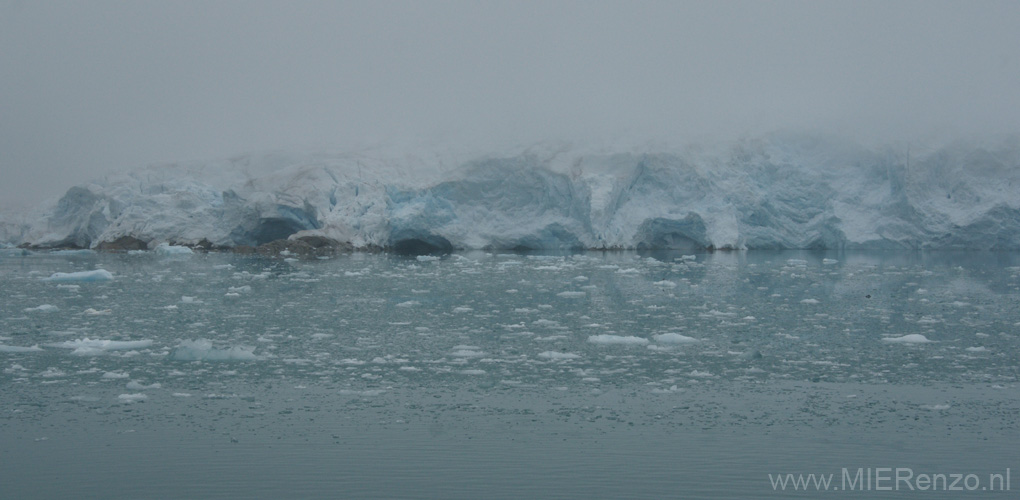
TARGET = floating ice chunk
(674,338)
(665,284)
(240,289)
(617,339)
(190,300)
(936,407)
(571,295)
(829,262)
(689,257)
(462,309)
(976,349)
(97,312)
(427,258)
(796,262)
(132,398)
(70,288)
(52,372)
(94,347)
(203,350)
(369,392)
(466,351)
(558,356)
(168,250)
(472,372)
(137,386)
(80,251)
(46,308)
(115,375)
(97,275)
(913,338)
(410,303)
(700,374)
(18,348)
(810,301)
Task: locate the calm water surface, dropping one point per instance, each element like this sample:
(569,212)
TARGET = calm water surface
(595,375)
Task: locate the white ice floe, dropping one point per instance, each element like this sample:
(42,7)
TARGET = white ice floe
(97,275)
(132,398)
(571,295)
(558,356)
(466,351)
(93,347)
(168,250)
(19,349)
(913,338)
(203,350)
(674,338)
(810,301)
(46,308)
(617,340)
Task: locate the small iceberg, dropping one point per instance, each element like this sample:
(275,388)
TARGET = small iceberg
(93,347)
(97,275)
(203,350)
(18,348)
(913,338)
(617,340)
(674,338)
(46,308)
(168,250)
(557,356)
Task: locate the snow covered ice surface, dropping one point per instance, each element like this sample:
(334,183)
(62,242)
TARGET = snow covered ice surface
(501,375)
(780,191)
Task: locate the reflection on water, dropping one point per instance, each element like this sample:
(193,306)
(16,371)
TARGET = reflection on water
(558,376)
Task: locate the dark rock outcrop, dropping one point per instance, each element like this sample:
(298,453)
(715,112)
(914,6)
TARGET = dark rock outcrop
(305,247)
(122,244)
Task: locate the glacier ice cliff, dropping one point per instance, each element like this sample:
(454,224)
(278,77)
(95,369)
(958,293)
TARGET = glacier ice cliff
(774,192)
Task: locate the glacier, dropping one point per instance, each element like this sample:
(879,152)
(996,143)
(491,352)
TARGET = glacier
(782,191)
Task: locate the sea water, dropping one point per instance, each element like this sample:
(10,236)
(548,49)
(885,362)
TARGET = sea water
(487,375)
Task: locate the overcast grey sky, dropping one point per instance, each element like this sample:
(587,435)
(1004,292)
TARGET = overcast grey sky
(90,87)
